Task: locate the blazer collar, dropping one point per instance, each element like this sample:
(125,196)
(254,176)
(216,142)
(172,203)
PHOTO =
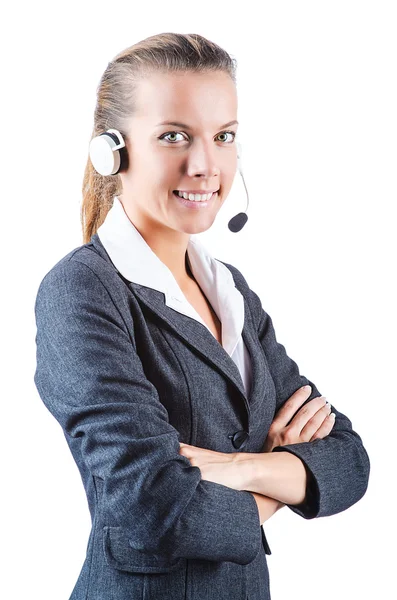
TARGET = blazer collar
(137,262)
(160,298)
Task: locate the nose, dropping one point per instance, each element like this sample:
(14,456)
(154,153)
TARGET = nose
(203,161)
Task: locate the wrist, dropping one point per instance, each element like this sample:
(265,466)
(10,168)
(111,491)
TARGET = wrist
(249,465)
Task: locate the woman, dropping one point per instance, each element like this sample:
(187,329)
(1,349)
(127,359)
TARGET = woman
(182,411)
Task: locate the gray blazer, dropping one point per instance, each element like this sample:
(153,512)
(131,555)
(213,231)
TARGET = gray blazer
(128,378)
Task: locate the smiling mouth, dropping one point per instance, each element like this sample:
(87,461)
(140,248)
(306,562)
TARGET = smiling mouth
(178,194)
(195,204)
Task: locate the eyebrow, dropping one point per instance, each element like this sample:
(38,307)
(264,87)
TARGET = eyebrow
(178,124)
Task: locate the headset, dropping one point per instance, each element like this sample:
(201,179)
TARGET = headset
(108,155)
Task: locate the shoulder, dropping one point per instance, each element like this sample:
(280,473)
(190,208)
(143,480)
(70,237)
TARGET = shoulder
(81,271)
(82,291)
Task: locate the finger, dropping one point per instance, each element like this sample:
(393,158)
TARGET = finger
(325,429)
(289,410)
(315,422)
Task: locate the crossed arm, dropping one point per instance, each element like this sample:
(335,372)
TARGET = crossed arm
(274,479)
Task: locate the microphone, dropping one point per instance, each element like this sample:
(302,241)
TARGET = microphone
(237,222)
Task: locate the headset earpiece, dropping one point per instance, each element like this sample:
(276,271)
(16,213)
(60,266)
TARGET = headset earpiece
(108,152)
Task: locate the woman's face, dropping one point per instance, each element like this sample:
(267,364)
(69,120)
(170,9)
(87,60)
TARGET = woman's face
(199,153)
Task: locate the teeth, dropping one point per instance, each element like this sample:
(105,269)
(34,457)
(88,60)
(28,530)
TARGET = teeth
(195,197)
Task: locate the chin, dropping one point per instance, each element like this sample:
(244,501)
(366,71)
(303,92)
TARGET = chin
(197,227)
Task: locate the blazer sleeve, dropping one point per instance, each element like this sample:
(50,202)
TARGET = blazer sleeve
(338,465)
(91,379)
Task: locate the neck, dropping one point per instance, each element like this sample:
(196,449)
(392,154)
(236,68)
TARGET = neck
(170,246)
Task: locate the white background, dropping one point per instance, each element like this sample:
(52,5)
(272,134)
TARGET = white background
(317,107)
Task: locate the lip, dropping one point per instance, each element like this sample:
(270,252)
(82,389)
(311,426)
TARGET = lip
(195,205)
(198,191)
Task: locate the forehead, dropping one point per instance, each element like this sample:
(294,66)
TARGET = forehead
(193,98)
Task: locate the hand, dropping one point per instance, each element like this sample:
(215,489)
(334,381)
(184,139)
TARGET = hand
(219,467)
(311,422)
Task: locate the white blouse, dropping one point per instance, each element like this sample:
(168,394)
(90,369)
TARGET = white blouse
(137,262)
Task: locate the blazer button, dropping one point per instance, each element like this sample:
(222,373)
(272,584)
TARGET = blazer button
(239,439)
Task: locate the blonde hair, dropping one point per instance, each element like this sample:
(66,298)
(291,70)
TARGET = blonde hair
(165,52)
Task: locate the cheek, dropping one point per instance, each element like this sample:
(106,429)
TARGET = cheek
(152,164)
(165,175)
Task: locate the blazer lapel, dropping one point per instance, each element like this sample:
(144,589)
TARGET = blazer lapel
(201,340)
(197,336)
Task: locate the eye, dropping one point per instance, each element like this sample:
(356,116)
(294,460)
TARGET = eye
(162,137)
(165,135)
(231,132)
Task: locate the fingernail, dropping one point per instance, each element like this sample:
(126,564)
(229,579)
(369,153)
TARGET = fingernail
(307,387)
(332,416)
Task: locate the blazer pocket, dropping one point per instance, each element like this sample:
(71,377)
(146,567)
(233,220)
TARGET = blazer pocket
(119,554)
